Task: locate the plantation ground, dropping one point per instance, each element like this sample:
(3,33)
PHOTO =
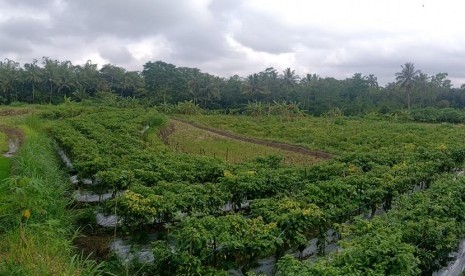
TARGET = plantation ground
(209,216)
(193,140)
(339,135)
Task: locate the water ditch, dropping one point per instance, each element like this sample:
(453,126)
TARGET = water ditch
(13,146)
(457,266)
(15,138)
(127,250)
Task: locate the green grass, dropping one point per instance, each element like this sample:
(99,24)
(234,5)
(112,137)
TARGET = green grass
(3,142)
(36,227)
(340,135)
(191,140)
(4,168)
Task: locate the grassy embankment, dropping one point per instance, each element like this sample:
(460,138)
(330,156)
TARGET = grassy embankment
(192,140)
(4,162)
(36,227)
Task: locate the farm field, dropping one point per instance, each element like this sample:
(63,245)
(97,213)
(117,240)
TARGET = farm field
(167,190)
(339,135)
(37,227)
(232,138)
(192,140)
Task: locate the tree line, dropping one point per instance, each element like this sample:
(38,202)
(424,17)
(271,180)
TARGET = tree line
(51,81)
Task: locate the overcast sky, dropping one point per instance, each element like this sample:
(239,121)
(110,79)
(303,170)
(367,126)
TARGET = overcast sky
(335,38)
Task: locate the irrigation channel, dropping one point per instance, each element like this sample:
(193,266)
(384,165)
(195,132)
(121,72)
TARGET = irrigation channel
(127,251)
(15,138)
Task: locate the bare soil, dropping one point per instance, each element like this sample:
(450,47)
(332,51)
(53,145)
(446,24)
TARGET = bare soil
(164,133)
(14,112)
(95,246)
(273,144)
(16,138)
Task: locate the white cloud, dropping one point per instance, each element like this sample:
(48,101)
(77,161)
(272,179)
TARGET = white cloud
(150,48)
(95,57)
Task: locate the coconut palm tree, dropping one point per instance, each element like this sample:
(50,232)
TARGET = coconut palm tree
(51,69)
(406,79)
(210,89)
(289,78)
(33,75)
(254,87)
(424,85)
(87,77)
(309,86)
(66,78)
(310,80)
(194,84)
(10,76)
(372,81)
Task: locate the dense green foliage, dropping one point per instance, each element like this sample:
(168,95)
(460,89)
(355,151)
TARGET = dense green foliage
(55,81)
(448,115)
(215,216)
(416,236)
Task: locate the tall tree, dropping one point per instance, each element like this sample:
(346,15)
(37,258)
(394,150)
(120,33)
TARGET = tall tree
(308,86)
(425,94)
(356,94)
(66,77)
(51,68)
(132,84)
(441,81)
(270,79)
(253,87)
(289,78)
(231,92)
(33,75)
(194,84)
(372,81)
(87,78)
(160,78)
(210,89)
(113,76)
(9,76)
(406,79)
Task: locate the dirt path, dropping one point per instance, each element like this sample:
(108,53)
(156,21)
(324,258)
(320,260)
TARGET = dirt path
(278,145)
(14,112)
(15,138)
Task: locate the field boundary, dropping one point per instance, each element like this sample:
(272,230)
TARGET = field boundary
(273,144)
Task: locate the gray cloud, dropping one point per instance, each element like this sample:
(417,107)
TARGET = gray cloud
(26,29)
(272,37)
(319,38)
(10,46)
(115,53)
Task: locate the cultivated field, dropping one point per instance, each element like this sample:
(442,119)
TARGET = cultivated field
(190,139)
(235,194)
